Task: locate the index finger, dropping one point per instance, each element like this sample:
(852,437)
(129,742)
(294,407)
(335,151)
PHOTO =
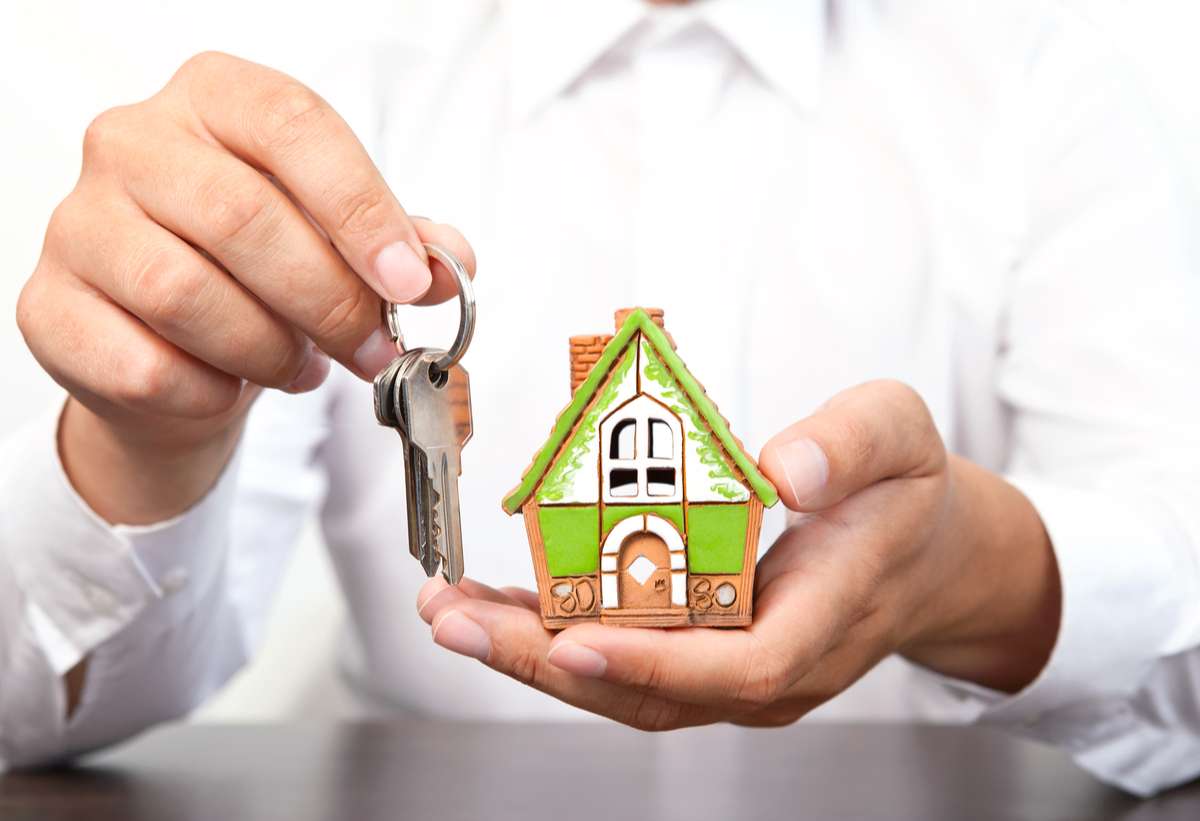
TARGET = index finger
(284,128)
(510,638)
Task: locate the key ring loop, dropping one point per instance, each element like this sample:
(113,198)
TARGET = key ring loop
(466,309)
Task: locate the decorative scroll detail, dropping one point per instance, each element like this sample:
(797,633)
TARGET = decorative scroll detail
(704,596)
(573,596)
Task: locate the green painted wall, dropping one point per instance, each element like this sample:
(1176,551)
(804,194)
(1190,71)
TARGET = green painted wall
(717,537)
(571,536)
(616,513)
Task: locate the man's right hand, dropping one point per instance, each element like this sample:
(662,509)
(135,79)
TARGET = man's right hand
(226,234)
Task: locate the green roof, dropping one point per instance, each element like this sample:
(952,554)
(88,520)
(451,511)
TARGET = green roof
(638,320)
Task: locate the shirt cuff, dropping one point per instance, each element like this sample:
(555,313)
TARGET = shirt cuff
(84,579)
(1128,584)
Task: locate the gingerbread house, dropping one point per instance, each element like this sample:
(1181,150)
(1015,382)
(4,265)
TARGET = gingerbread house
(641,507)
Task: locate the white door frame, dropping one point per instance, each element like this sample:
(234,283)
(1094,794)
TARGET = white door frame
(665,530)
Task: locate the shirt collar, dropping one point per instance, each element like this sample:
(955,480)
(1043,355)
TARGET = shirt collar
(553,42)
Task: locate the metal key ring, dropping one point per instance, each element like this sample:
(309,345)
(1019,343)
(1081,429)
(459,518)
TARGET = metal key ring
(466,309)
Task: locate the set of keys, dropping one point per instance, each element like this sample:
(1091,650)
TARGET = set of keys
(425,395)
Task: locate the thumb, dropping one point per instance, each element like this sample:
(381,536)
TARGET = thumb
(863,435)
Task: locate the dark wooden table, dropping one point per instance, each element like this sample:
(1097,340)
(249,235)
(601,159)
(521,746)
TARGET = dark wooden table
(432,770)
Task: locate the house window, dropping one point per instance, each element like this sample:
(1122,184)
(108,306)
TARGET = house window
(623,444)
(660,481)
(623,482)
(642,453)
(662,442)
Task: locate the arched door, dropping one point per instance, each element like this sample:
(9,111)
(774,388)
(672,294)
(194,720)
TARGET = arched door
(643,572)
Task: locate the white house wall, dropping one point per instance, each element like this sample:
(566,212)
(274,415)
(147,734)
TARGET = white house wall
(708,476)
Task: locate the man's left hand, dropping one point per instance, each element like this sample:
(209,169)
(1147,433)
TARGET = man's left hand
(897,548)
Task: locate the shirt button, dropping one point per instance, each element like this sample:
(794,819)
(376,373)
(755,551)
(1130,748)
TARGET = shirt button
(102,600)
(174,580)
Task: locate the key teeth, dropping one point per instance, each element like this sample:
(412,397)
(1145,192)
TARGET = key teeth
(436,559)
(434,520)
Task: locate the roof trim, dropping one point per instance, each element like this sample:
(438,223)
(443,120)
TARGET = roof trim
(638,320)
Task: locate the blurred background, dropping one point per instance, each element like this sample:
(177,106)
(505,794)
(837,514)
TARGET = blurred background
(64,61)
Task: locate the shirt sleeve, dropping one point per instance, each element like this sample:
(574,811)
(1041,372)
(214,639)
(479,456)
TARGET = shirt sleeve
(1098,368)
(164,613)
(71,584)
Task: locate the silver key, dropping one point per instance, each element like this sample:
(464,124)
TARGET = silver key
(389,413)
(435,408)
(426,397)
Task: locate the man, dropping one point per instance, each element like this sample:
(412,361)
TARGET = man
(967,202)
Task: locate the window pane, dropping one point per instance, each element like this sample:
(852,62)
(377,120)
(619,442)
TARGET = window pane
(622,482)
(622,443)
(662,441)
(660,481)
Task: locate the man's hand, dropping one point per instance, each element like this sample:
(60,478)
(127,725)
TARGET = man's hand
(898,548)
(230,231)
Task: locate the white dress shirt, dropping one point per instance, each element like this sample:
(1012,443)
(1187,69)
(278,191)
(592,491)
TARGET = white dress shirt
(968,197)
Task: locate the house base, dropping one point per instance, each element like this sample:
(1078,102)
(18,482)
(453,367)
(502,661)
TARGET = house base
(653,618)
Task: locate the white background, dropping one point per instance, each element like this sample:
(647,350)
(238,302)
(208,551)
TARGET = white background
(63,62)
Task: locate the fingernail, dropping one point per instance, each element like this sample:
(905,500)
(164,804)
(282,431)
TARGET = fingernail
(313,374)
(373,355)
(402,275)
(805,466)
(429,592)
(577,659)
(456,632)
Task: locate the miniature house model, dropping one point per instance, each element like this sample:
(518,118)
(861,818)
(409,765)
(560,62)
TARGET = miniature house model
(642,507)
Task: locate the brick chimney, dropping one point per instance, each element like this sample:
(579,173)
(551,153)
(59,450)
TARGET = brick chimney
(586,350)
